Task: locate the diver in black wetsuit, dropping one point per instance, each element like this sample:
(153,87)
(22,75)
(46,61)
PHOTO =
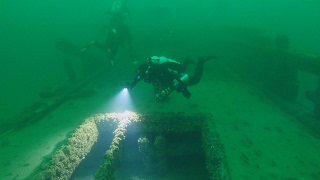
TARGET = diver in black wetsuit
(169,75)
(118,33)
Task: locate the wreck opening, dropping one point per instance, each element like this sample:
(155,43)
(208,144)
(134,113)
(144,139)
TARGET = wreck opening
(140,146)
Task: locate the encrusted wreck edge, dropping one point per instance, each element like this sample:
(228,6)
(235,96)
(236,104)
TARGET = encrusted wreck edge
(64,161)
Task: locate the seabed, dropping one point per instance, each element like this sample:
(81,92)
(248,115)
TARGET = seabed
(227,130)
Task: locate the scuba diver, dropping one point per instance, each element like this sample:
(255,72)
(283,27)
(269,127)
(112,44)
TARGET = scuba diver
(167,75)
(118,33)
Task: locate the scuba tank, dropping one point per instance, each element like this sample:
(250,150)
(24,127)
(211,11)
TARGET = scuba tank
(179,85)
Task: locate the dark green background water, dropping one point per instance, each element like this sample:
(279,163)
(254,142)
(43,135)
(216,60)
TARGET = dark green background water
(29,61)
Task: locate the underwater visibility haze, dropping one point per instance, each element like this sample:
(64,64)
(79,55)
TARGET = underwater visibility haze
(257,105)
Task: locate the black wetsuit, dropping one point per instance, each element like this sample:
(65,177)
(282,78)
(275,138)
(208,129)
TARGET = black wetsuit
(164,74)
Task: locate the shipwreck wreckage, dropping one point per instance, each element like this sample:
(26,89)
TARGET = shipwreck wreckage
(113,145)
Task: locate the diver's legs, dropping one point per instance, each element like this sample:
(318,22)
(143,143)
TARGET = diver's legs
(195,79)
(186,62)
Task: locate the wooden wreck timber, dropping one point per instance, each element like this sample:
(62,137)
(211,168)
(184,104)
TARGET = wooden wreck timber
(161,126)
